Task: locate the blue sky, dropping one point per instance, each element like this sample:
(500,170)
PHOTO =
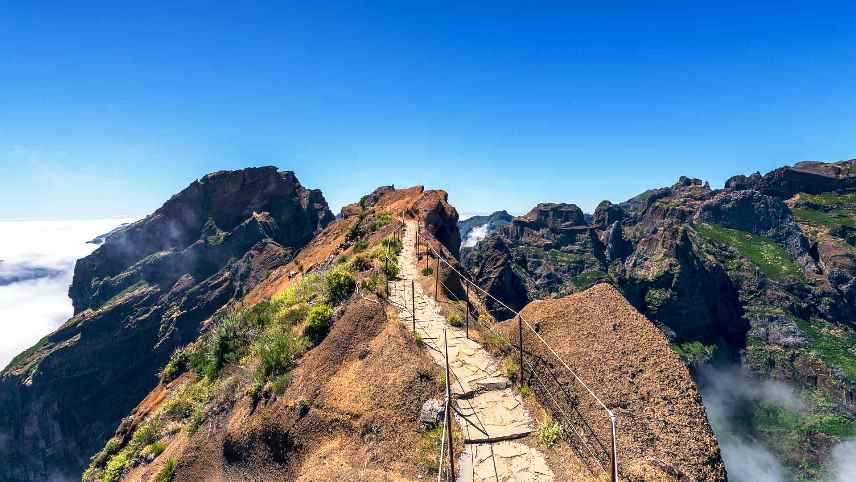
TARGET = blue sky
(107,110)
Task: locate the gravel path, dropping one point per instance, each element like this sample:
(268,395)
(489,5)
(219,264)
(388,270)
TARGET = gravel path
(494,415)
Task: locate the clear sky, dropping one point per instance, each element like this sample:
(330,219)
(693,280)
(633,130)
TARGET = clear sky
(107,109)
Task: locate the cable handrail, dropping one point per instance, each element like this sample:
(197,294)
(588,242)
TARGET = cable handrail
(612,417)
(479,425)
(517,313)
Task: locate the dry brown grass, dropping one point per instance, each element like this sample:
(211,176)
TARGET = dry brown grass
(663,432)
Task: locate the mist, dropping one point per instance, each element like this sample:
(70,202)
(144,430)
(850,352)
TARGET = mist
(475,235)
(36,268)
(724,392)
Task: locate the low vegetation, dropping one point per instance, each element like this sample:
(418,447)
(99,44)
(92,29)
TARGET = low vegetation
(786,431)
(166,473)
(694,352)
(772,259)
(270,337)
(832,343)
(550,432)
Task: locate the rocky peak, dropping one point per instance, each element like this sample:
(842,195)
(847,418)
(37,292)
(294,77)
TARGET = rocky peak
(607,213)
(690,182)
(202,214)
(553,216)
(150,288)
(810,177)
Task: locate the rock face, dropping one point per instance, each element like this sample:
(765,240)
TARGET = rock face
(147,290)
(810,177)
(761,273)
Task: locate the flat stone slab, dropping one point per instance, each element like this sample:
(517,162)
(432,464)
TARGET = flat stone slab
(491,414)
(499,413)
(503,462)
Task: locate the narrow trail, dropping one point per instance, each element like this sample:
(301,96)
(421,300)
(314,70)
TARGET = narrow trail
(494,415)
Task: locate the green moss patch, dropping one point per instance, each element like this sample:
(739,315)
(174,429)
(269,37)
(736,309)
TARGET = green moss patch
(772,259)
(831,219)
(832,344)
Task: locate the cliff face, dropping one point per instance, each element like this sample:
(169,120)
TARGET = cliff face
(148,289)
(761,273)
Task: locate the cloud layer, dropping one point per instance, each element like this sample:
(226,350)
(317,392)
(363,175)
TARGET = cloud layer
(36,267)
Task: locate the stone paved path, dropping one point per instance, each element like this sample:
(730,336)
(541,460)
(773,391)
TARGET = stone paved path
(481,391)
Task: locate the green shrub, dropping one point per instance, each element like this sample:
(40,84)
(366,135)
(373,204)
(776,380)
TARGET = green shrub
(177,364)
(166,473)
(147,432)
(154,449)
(360,263)
(318,323)
(254,389)
(427,271)
(380,220)
(512,370)
(277,349)
(339,285)
(392,243)
(260,315)
(225,343)
(390,270)
(280,383)
(455,320)
(549,432)
(116,466)
(303,290)
(292,315)
(360,246)
(195,421)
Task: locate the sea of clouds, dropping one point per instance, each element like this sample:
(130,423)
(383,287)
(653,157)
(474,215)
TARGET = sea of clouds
(36,267)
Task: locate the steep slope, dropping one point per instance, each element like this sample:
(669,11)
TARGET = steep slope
(663,433)
(759,273)
(147,290)
(340,399)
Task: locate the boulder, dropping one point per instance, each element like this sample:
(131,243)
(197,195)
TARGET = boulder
(431,415)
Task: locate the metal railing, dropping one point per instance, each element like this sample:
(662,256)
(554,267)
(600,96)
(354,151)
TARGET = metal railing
(612,469)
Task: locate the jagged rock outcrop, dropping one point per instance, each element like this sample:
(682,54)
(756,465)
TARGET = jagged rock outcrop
(147,290)
(492,268)
(761,273)
(810,177)
(757,213)
(606,214)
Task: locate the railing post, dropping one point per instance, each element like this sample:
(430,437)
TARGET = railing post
(467,308)
(449,409)
(426,255)
(613,455)
(437,279)
(520,345)
(413,303)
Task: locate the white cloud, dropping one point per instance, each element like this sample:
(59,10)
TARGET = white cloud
(37,263)
(724,392)
(475,235)
(844,461)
